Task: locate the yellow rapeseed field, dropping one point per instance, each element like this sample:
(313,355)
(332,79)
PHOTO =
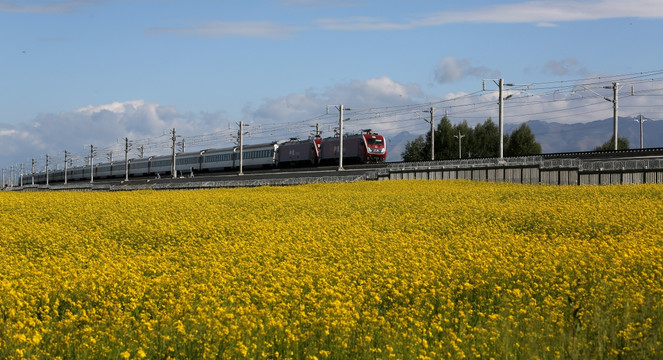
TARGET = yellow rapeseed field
(370,270)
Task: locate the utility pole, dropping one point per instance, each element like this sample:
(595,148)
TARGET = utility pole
(432,133)
(46,169)
(33,171)
(126,159)
(65,166)
(500,83)
(501,119)
(340,108)
(614,111)
(340,131)
(173,168)
(240,135)
(642,119)
(91,164)
(460,142)
(21,175)
(614,101)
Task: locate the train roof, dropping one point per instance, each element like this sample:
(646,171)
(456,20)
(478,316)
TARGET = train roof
(246,146)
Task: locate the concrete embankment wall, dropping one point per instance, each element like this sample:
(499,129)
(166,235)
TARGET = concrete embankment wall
(533,170)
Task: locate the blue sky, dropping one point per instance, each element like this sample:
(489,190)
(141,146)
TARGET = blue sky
(80,72)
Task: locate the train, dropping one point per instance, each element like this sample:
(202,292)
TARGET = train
(366,147)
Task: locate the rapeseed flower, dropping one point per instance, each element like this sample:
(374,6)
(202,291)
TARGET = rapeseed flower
(397,269)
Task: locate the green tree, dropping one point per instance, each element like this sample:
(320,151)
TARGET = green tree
(445,147)
(622,144)
(481,141)
(486,139)
(415,150)
(521,142)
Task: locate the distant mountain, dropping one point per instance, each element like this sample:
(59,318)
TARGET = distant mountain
(558,137)
(396,144)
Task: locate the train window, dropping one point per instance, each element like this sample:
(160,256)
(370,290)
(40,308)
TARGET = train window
(375,141)
(217,158)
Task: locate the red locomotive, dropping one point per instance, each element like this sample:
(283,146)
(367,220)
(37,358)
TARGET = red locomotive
(361,148)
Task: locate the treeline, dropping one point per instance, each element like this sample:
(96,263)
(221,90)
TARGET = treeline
(481,141)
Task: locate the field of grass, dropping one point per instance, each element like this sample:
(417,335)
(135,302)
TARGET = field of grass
(370,270)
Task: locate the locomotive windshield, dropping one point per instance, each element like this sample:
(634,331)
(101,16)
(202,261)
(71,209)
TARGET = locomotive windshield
(374,142)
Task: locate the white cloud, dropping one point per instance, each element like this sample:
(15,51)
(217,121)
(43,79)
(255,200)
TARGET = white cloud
(116,107)
(360,23)
(549,12)
(7,132)
(41,7)
(451,69)
(565,67)
(544,13)
(323,3)
(103,126)
(310,107)
(224,29)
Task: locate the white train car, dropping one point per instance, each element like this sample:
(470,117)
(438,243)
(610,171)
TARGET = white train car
(118,169)
(77,173)
(186,163)
(139,167)
(161,165)
(259,155)
(217,159)
(102,170)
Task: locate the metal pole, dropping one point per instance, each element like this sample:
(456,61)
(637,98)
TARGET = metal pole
(340,130)
(46,169)
(241,148)
(460,143)
(501,120)
(641,136)
(91,164)
(33,171)
(22,169)
(126,159)
(173,169)
(614,112)
(65,166)
(432,134)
